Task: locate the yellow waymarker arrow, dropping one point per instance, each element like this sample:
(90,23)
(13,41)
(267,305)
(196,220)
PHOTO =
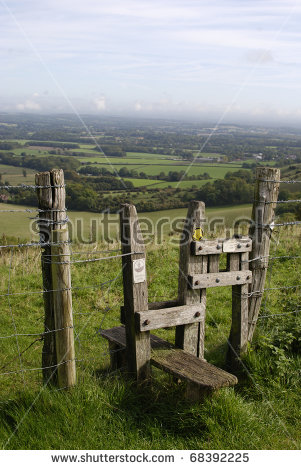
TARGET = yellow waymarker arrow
(198,234)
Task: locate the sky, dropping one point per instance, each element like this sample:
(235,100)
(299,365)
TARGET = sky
(226,60)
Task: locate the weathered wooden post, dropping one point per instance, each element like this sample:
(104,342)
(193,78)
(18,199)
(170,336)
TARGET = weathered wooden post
(52,217)
(191,337)
(138,350)
(265,197)
(62,307)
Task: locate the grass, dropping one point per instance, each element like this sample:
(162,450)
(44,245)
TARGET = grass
(23,226)
(105,411)
(14,176)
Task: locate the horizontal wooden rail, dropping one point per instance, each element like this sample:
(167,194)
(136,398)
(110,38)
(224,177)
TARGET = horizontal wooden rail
(201,281)
(165,317)
(215,247)
(152,306)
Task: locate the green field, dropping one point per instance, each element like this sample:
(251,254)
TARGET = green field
(14,176)
(104,411)
(20,224)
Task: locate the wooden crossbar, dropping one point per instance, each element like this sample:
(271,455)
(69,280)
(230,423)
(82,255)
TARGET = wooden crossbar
(216,247)
(165,317)
(203,281)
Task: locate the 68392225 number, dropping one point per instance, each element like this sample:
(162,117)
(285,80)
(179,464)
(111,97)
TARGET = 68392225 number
(219,457)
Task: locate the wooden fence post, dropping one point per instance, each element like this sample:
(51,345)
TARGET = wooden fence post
(138,350)
(191,337)
(52,216)
(265,194)
(62,306)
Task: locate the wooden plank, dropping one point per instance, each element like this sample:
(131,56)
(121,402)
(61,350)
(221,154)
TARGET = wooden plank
(182,365)
(237,245)
(207,247)
(191,337)
(201,281)
(166,317)
(152,306)
(192,369)
(217,246)
(62,304)
(266,192)
(135,294)
(117,335)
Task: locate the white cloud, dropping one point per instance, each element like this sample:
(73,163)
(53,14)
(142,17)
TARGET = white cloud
(28,105)
(100,103)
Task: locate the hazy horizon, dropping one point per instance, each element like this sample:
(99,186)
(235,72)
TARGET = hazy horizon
(219,61)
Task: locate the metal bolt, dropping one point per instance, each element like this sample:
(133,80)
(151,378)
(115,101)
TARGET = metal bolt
(218,247)
(147,322)
(239,245)
(197,314)
(248,277)
(196,283)
(238,278)
(217,280)
(200,248)
(247,245)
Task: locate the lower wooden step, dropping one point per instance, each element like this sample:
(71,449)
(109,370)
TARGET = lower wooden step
(179,363)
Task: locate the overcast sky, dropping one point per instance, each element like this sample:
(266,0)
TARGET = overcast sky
(230,60)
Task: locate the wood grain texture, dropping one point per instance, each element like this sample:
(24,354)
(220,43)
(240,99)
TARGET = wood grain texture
(262,215)
(191,337)
(177,362)
(44,196)
(166,317)
(218,279)
(206,247)
(49,198)
(152,306)
(237,245)
(135,295)
(218,246)
(62,304)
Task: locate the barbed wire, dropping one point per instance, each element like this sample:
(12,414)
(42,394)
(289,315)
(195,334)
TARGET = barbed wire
(37,334)
(49,222)
(272,225)
(97,286)
(33,210)
(41,368)
(94,259)
(280,314)
(36,244)
(289,201)
(280,181)
(270,257)
(32,186)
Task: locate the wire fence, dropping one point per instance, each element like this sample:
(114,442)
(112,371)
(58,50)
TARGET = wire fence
(90,312)
(22,346)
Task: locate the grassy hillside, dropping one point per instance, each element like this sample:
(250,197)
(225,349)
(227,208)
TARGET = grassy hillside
(105,411)
(21,224)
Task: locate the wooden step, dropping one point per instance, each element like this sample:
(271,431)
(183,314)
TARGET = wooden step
(179,363)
